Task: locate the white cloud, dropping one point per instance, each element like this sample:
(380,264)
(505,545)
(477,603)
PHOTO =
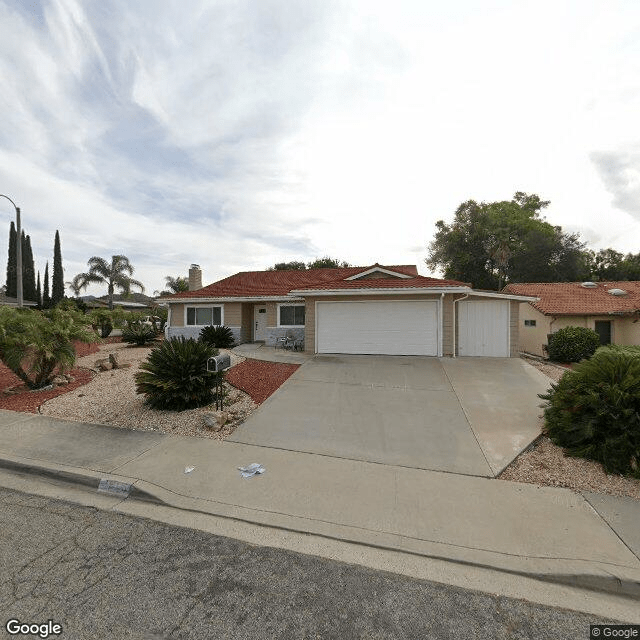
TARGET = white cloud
(238,134)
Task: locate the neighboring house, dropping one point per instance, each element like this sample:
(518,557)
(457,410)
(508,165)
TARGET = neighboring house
(13,302)
(132,302)
(612,309)
(368,310)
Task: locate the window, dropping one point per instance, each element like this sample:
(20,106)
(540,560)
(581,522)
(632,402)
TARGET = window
(292,315)
(204,316)
(529,323)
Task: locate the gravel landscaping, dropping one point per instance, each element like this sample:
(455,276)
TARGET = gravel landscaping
(109,397)
(545,463)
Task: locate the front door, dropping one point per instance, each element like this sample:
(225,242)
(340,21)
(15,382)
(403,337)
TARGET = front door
(259,323)
(603,329)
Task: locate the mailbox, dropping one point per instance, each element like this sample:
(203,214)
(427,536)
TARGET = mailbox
(219,363)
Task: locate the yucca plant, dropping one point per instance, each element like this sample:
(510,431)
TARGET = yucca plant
(594,411)
(175,375)
(221,337)
(35,345)
(138,333)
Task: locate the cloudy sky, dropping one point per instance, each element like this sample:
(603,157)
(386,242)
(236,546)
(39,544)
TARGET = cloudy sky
(240,133)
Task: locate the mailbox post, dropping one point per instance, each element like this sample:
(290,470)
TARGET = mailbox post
(218,364)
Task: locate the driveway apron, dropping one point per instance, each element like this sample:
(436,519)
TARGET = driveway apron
(397,410)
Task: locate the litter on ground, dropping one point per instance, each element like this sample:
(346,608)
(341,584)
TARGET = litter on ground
(251,470)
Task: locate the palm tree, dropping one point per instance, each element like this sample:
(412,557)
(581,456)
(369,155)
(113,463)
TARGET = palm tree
(75,285)
(117,274)
(174,285)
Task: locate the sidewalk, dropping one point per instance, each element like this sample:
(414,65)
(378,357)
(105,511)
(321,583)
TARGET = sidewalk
(544,533)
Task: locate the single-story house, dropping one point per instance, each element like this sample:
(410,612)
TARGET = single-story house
(358,310)
(611,309)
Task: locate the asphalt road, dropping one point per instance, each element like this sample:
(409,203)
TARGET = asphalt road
(112,577)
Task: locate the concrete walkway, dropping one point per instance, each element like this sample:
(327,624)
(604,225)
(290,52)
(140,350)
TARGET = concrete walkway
(548,534)
(469,415)
(259,351)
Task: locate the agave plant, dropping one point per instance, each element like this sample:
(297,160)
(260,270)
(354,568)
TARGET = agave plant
(35,344)
(221,337)
(138,333)
(175,375)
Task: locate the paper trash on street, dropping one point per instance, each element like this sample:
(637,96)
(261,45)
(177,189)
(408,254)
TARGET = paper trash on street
(251,470)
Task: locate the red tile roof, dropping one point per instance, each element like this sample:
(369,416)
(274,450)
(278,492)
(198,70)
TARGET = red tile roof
(248,284)
(572,299)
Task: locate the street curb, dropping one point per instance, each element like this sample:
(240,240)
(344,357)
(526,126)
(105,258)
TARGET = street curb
(628,588)
(70,477)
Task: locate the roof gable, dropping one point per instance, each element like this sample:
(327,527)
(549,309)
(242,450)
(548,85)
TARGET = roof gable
(377,271)
(573,299)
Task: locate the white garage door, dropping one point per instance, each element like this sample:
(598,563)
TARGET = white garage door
(390,328)
(483,328)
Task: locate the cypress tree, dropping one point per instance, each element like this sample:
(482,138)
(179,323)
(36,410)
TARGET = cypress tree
(46,300)
(28,270)
(57,281)
(12,263)
(39,293)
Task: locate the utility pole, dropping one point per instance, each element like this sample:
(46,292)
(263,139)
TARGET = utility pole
(18,252)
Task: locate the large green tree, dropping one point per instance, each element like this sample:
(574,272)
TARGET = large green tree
(57,280)
(491,244)
(319,263)
(294,265)
(12,263)
(115,274)
(609,264)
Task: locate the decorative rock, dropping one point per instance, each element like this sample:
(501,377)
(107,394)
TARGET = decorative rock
(103,364)
(114,360)
(59,381)
(216,419)
(124,365)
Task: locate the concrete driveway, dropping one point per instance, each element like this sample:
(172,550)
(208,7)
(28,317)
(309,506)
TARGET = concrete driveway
(465,415)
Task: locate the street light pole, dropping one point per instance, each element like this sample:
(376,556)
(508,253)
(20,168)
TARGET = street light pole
(18,251)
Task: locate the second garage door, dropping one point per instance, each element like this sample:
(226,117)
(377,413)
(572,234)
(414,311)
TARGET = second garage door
(382,327)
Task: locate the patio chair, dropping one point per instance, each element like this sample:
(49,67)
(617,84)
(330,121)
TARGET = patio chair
(280,342)
(289,340)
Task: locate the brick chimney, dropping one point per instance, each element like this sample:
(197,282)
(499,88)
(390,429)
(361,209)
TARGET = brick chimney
(195,277)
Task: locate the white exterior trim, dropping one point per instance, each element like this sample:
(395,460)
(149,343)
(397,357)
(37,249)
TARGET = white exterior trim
(203,306)
(503,296)
(378,270)
(283,298)
(289,304)
(376,292)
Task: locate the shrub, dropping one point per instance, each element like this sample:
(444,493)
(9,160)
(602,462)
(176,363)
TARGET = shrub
(138,333)
(221,337)
(572,344)
(175,375)
(594,411)
(103,320)
(35,344)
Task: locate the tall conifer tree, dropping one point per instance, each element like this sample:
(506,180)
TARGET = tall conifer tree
(39,293)
(57,281)
(28,270)
(46,300)
(12,263)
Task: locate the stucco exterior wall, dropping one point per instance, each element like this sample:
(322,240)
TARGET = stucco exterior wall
(531,339)
(177,315)
(627,331)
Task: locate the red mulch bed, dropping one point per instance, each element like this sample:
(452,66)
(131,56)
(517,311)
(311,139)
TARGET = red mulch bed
(258,378)
(30,400)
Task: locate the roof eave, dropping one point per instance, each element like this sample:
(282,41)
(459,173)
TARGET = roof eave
(378,291)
